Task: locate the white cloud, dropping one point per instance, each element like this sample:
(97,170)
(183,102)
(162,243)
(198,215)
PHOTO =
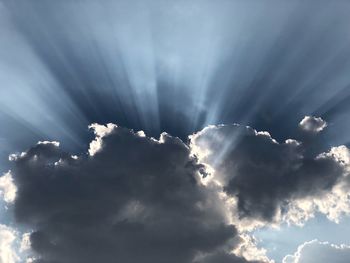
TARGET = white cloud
(7,239)
(313,124)
(55,143)
(249,250)
(25,242)
(319,252)
(7,188)
(100,131)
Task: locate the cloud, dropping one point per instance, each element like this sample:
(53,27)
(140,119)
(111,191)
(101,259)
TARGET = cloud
(334,203)
(131,199)
(7,188)
(316,251)
(7,238)
(312,124)
(262,177)
(248,249)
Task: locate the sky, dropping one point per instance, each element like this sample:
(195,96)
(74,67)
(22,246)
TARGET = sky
(189,131)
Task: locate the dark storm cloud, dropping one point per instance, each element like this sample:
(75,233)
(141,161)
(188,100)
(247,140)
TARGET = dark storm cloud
(132,199)
(261,173)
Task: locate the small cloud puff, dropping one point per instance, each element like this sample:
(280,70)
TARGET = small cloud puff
(312,124)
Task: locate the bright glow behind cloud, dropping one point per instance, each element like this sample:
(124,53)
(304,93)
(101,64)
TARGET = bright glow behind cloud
(177,67)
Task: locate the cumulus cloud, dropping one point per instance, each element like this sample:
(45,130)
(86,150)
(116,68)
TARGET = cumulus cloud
(7,188)
(249,250)
(7,239)
(131,199)
(334,203)
(312,124)
(262,177)
(316,252)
